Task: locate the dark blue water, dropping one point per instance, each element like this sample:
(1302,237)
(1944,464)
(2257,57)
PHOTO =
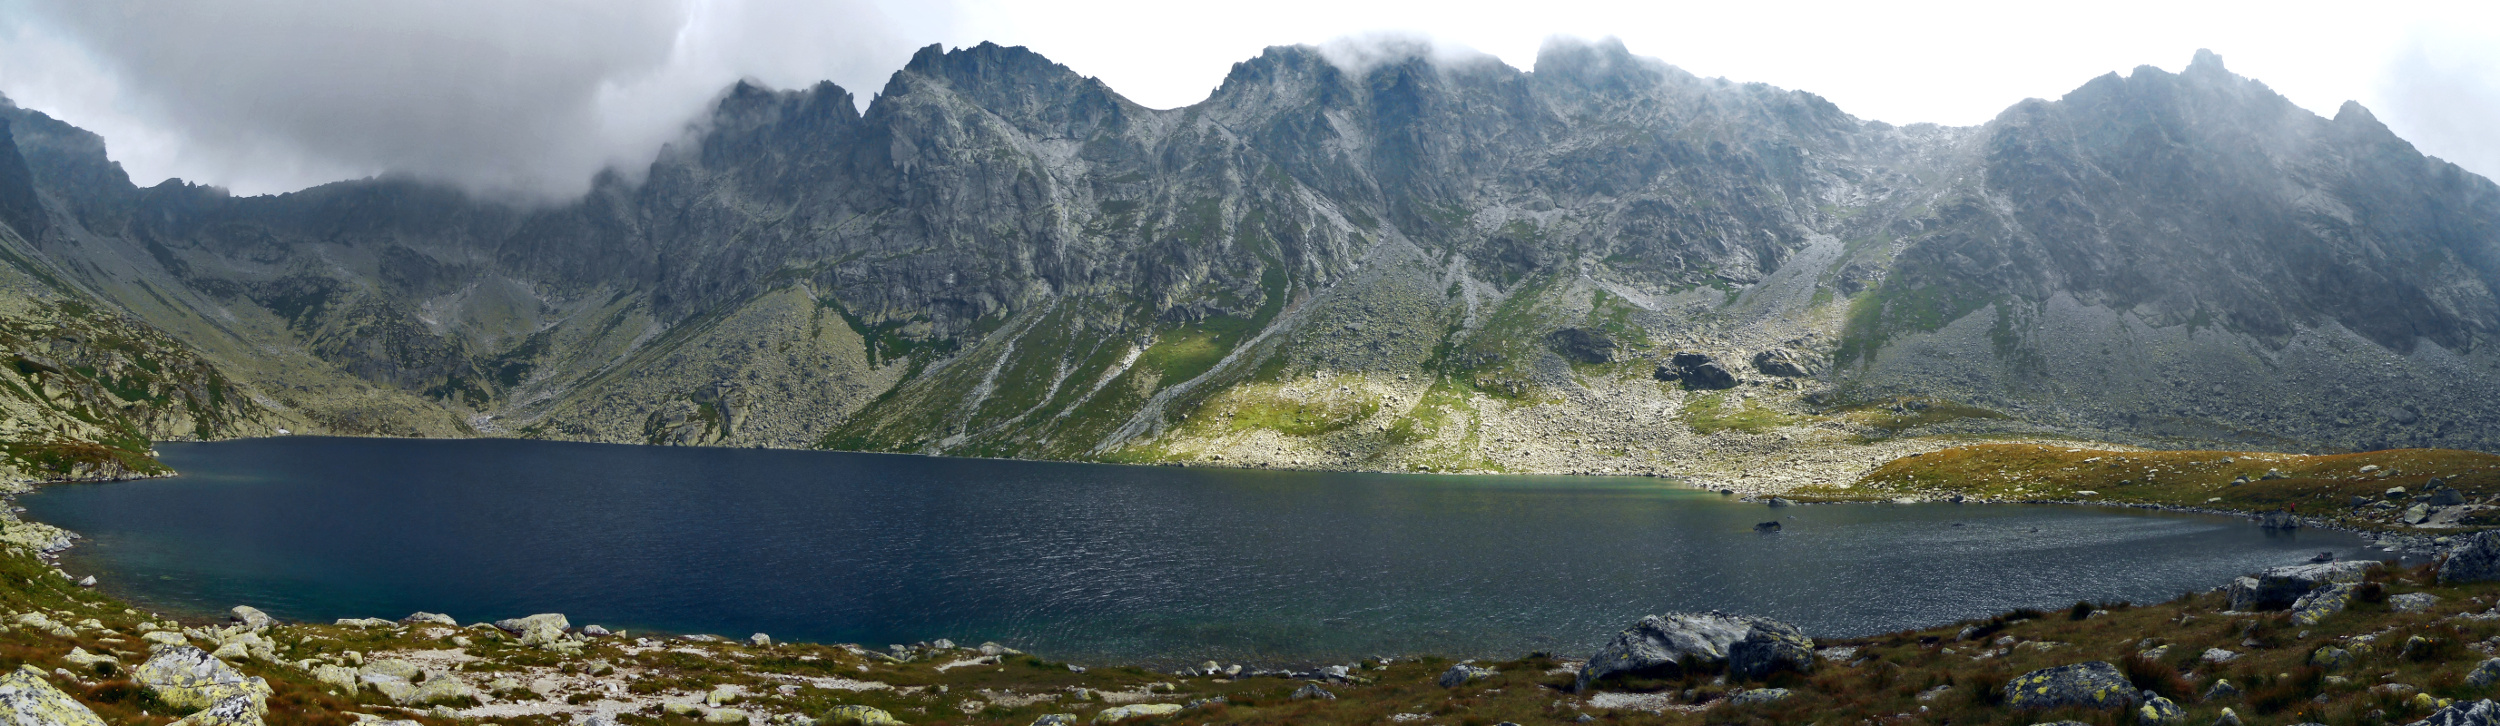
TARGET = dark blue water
(1079,562)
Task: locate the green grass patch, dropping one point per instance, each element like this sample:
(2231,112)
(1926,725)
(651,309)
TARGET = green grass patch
(1710,413)
(2313,485)
(1287,410)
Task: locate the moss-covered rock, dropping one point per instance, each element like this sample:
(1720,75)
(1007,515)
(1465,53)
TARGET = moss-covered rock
(2092,684)
(27,698)
(189,679)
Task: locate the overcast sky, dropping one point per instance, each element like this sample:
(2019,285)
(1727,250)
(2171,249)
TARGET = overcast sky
(535,96)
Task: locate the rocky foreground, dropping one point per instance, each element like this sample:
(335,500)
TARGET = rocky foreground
(2333,642)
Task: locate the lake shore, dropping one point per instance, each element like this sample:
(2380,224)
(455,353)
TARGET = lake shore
(2407,643)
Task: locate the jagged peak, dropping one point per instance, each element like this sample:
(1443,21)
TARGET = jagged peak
(2206,60)
(1603,62)
(2353,113)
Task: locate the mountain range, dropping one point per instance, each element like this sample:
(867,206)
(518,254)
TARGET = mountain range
(1602,264)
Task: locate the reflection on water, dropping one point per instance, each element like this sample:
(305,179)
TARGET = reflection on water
(1149,564)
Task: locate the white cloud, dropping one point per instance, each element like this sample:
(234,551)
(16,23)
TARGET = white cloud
(537,95)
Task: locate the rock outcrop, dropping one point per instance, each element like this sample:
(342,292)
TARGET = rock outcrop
(28,698)
(2093,684)
(189,679)
(2477,561)
(1670,642)
(2282,587)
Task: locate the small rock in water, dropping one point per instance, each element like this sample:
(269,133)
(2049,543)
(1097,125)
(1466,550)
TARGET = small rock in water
(88,581)
(1772,526)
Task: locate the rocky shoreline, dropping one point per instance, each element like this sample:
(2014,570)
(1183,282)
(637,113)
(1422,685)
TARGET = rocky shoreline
(2434,629)
(430,669)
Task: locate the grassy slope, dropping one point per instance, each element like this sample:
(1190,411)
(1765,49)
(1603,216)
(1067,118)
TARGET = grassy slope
(2320,486)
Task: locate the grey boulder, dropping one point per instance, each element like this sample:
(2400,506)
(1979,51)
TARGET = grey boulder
(1667,642)
(27,698)
(252,617)
(2461,713)
(1770,646)
(2477,561)
(519,626)
(2280,587)
(2092,684)
(1461,674)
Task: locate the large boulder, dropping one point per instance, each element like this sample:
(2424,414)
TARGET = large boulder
(1117,714)
(2281,587)
(1582,345)
(1461,674)
(541,629)
(2327,599)
(442,689)
(1770,646)
(2477,561)
(27,698)
(2093,684)
(252,617)
(857,715)
(2159,711)
(1784,363)
(236,710)
(392,667)
(522,626)
(2461,713)
(1663,643)
(336,676)
(189,679)
(1696,371)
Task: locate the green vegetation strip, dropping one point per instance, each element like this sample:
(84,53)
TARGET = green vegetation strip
(2312,485)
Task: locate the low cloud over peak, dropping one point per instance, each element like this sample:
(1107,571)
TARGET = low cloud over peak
(532,98)
(507,98)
